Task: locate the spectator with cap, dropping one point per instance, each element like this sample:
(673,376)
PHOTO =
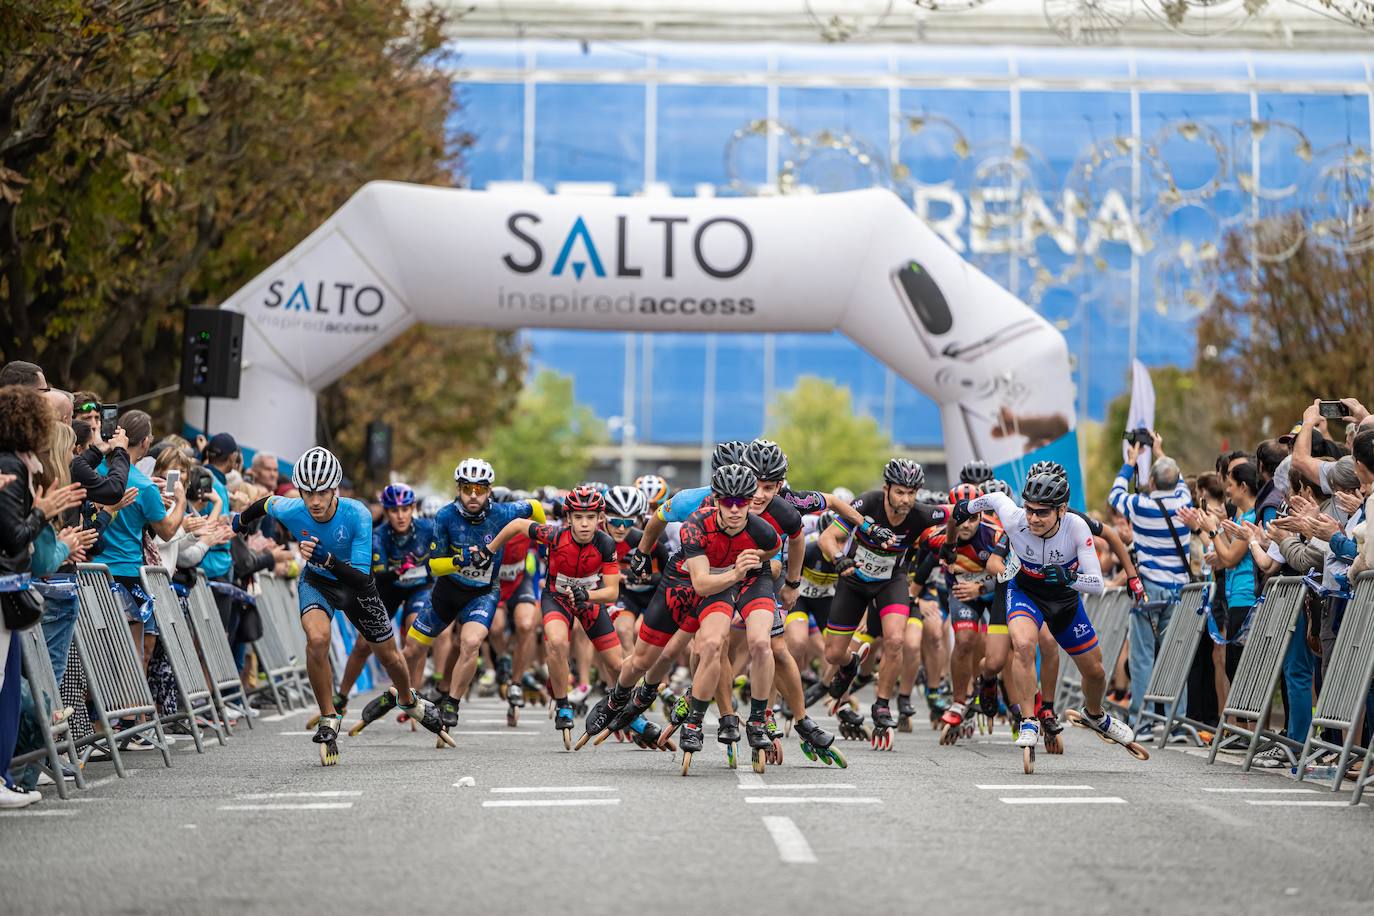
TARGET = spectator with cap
(1162,559)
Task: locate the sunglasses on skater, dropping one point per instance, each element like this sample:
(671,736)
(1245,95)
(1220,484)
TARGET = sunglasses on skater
(474,489)
(621,522)
(1042,512)
(733,502)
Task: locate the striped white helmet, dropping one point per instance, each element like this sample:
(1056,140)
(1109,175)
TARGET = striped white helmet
(654,488)
(473,470)
(317,470)
(625,502)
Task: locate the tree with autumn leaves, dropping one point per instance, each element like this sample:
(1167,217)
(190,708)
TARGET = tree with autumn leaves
(156,154)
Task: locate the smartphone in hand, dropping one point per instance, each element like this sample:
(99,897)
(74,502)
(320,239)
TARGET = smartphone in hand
(1331,410)
(170,486)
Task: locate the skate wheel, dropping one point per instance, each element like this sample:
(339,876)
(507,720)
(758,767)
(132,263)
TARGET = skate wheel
(512,718)
(777,752)
(809,751)
(968,731)
(1076,719)
(503,690)
(663,738)
(601,736)
(356,730)
(731,759)
(948,735)
(329,754)
(686,761)
(1054,744)
(756,757)
(412,725)
(445,740)
(567,739)
(1137,751)
(582,742)
(838,758)
(787,728)
(1028,759)
(550,712)
(904,724)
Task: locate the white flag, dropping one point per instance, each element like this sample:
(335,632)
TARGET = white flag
(1141,416)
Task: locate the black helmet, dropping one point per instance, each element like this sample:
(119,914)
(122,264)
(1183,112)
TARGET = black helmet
(767,459)
(996,486)
(904,473)
(1046,489)
(731,452)
(1048,467)
(976,471)
(734,480)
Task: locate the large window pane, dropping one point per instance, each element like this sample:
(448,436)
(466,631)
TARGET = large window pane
(589,133)
(695,124)
(494,115)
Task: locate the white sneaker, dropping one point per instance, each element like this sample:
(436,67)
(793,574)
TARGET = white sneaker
(1113,728)
(18,798)
(1030,733)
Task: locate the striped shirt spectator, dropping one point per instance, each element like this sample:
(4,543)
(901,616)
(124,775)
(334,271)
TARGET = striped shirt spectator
(1156,556)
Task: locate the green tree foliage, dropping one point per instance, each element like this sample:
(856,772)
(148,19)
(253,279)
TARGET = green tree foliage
(828,445)
(548,439)
(160,153)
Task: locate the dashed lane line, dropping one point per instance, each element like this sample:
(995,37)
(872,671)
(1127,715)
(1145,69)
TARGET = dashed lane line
(792,846)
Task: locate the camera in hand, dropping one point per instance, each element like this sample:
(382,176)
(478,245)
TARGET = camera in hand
(1331,410)
(199,484)
(109,416)
(1139,437)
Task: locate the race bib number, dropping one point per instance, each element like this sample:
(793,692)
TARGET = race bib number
(413,576)
(873,565)
(1013,566)
(972,578)
(811,589)
(565,582)
(509,572)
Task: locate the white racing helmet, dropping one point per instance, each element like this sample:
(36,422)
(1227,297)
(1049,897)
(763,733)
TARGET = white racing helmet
(317,470)
(625,502)
(474,470)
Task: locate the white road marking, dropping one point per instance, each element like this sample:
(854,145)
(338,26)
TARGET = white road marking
(508,731)
(332,793)
(307,806)
(1248,791)
(1298,803)
(1029,786)
(297,733)
(749,780)
(530,789)
(792,846)
(799,785)
(549,802)
(278,716)
(1065,800)
(40,812)
(102,781)
(809,800)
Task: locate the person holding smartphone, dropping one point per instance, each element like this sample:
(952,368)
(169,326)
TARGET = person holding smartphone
(110,486)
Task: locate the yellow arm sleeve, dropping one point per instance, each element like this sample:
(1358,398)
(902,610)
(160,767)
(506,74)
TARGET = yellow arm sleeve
(537,511)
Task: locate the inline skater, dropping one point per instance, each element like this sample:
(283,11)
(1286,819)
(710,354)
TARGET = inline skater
(465,583)
(336,544)
(1057,564)
(976,472)
(625,506)
(873,573)
(655,490)
(810,614)
(518,577)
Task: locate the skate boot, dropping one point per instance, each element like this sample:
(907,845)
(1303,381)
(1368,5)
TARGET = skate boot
(578,698)
(448,711)
(904,712)
(1110,730)
(340,707)
(376,708)
(814,692)
(938,700)
(515,698)
(988,702)
(770,725)
(486,684)
(760,742)
(727,733)
(425,712)
(692,739)
(533,688)
(1027,737)
(883,724)
(646,734)
(563,720)
(597,719)
(327,737)
(641,698)
(851,725)
(844,678)
(1050,729)
(817,743)
(953,723)
(503,674)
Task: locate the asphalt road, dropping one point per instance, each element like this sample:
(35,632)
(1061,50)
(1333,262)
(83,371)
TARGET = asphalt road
(260,827)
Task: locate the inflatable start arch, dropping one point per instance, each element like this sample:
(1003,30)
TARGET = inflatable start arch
(860,262)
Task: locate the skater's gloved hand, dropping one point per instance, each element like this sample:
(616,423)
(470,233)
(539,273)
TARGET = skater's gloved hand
(1136,589)
(640,564)
(844,566)
(961,512)
(479,556)
(578,594)
(877,533)
(1060,575)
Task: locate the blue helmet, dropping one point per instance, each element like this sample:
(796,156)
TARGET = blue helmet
(397,495)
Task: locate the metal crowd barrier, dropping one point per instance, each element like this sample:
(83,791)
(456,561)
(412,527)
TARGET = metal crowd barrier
(282,648)
(1257,675)
(1341,703)
(1110,615)
(1169,678)
(226,687)
(47,700)
(114,670)
(194,698)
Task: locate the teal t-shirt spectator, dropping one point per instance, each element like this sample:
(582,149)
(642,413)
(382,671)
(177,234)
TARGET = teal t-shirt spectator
(123,541)
(1240,579)
(217,562)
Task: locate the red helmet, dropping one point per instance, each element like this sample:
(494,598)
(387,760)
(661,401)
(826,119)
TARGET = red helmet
(964,491)
(584,499)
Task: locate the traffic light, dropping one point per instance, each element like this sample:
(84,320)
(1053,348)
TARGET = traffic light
(211,353)
(378,449)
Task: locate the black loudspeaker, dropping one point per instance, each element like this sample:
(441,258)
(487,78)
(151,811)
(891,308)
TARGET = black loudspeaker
(378,449)
(211,353)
